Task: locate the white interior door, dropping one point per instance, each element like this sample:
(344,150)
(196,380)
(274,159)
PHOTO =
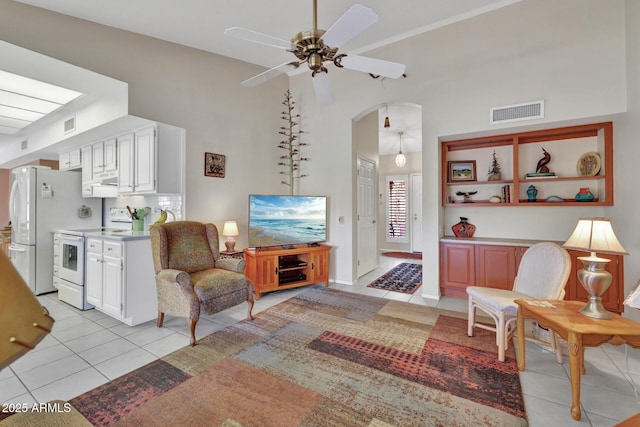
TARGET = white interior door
(367,244)
(416,212)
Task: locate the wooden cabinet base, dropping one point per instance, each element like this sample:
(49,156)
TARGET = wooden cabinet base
(273,268)
(472,263)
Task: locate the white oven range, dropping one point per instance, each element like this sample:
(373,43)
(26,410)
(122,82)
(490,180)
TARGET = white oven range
(68,267)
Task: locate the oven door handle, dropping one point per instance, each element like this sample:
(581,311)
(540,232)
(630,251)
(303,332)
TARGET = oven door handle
(71,238)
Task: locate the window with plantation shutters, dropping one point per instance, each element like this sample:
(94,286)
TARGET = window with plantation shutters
(397,217)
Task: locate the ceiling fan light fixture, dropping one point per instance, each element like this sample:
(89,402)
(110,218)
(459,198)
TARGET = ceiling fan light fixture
(317,46)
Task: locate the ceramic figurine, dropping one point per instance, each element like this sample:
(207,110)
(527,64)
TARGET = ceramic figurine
(466,196)
(463,228)
(542,163)
(494,170)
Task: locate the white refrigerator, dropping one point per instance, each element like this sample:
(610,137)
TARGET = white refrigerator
(42,200)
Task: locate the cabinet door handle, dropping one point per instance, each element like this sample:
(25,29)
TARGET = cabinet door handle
(313,266)
(276,271)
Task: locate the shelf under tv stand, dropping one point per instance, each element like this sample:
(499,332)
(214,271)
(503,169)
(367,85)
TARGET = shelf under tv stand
(274,268)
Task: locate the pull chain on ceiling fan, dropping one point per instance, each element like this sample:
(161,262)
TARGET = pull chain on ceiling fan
(315,47)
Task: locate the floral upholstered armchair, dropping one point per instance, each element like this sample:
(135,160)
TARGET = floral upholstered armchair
(191,277)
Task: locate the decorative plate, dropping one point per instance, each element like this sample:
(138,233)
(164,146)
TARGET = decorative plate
(588,164)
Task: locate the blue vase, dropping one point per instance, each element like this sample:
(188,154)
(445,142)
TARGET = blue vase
(532,192)
(584,195)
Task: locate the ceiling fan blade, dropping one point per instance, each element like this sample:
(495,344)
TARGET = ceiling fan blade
(269,74)
(373,66)
(354,21)
(253,36)
(322,86)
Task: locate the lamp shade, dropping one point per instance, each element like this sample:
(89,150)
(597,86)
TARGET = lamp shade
(230,229)
(594,235)
(401,160)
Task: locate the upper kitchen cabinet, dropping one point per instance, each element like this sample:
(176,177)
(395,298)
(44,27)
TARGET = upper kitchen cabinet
(71,159)
(125,160)
(104,154)
(151,160)
(87,171)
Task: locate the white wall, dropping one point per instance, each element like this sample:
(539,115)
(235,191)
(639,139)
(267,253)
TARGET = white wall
(180,86)
(627,152)
(531,50)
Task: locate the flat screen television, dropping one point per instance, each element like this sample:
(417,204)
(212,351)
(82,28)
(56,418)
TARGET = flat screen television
(287,220)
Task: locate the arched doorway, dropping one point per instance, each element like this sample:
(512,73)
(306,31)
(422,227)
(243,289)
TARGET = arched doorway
(378,134)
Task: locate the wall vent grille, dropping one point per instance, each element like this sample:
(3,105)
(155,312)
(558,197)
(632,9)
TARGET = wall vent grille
(24,145)
(70,125)
(517,112)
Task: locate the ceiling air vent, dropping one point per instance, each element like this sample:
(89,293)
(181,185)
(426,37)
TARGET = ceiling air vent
(514,113)
(23,145)
(70,125)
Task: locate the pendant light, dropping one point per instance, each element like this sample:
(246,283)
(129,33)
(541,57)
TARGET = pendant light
(387,124)
(401,159)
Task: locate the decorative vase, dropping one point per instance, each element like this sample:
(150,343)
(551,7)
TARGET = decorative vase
(532,192)
(584,195)
(463,228)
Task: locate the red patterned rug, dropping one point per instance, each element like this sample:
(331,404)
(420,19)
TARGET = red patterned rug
(409,255)
(324,357)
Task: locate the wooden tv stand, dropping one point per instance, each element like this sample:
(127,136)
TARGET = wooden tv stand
(275,268)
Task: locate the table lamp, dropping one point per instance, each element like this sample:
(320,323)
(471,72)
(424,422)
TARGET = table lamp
(23,321)
(230,230)
(594,235)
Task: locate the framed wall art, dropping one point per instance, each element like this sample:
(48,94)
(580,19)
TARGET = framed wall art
(214,165)
(462,170)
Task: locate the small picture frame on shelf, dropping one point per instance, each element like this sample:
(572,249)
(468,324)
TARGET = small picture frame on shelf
(461,170)
(214,165)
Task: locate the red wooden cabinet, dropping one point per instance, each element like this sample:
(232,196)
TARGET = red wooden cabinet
(472,263)
(457,269)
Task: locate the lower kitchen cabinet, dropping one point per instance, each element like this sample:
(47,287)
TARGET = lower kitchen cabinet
(474,263)
(120,279)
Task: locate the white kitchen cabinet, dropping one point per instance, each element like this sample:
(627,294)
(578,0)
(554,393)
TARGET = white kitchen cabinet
(120,279)
(151,160)
(70,160)
(104,158)
(94,275)
(126,164)
(144,155)
(87,170)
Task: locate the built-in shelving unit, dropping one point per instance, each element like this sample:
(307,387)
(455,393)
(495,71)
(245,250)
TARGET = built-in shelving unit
(518,154)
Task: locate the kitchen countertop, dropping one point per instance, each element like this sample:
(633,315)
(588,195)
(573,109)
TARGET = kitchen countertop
(494,241)
(118,234)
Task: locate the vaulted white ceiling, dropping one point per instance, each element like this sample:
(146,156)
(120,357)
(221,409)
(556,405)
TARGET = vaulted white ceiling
(201,24)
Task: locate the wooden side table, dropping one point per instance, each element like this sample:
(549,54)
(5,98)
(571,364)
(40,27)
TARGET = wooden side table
(579,331)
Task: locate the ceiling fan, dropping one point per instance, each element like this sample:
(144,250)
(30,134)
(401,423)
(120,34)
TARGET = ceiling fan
(315,47)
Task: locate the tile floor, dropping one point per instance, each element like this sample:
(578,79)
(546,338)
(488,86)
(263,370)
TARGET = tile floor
(87,349)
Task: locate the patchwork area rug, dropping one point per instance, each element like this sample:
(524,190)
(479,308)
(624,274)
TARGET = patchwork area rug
(405,277)
(410,255)
(323,358)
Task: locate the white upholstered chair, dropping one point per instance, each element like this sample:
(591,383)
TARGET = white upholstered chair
(542,274)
